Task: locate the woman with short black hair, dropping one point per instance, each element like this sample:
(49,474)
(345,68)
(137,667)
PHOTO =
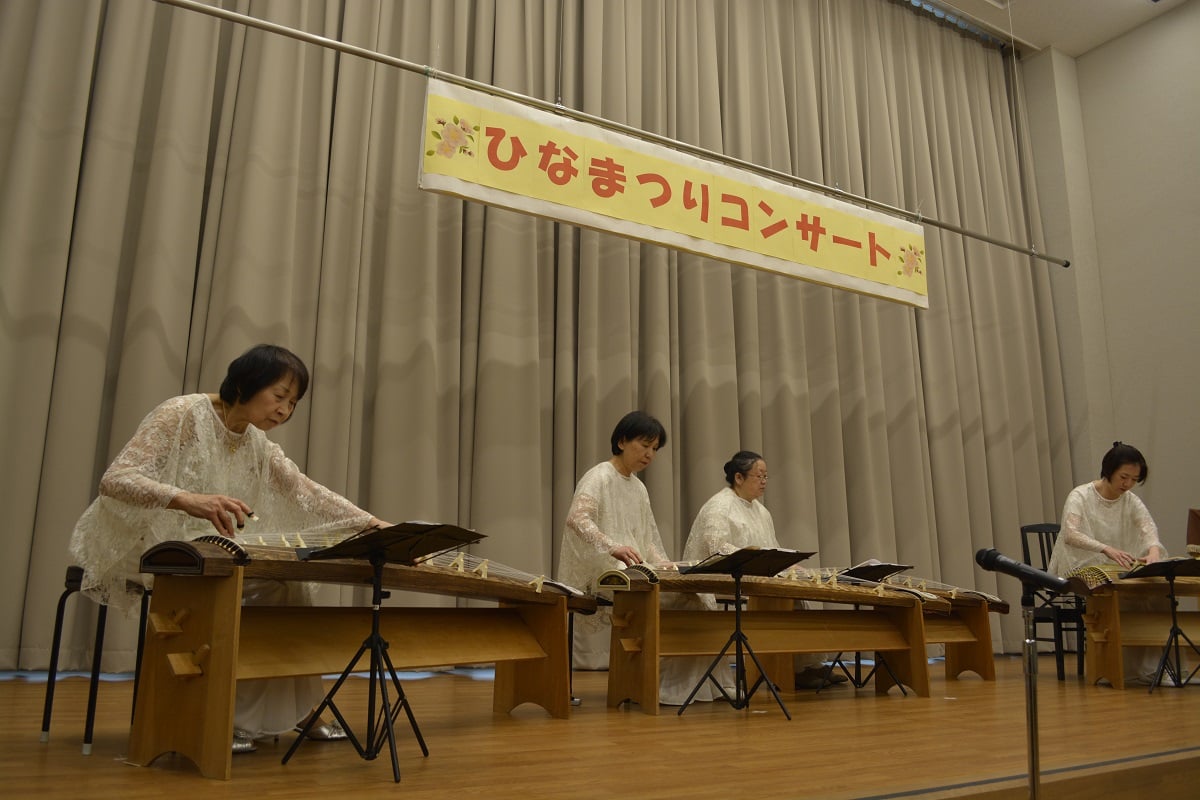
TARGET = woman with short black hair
(202,463)
(1105,524)
(610,524)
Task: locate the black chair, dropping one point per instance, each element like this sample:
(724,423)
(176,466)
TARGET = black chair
(1064,613)
(72,585)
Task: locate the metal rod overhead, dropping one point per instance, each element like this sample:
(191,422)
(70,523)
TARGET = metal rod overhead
(558,108)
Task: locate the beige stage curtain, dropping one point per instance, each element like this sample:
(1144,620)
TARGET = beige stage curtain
(174,189)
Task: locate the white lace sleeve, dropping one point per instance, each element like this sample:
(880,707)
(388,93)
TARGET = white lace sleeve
(1146,531)
(1090,523)
(582,521)
(183,446)
(658,553)
(326,507)
(1075,530)
(710,534)
(608,511)
(135,476)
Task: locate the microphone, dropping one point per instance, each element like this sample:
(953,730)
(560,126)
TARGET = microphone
(994,561)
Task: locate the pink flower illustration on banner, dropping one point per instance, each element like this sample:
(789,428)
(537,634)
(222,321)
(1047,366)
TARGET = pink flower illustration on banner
(453,137)
(910,261)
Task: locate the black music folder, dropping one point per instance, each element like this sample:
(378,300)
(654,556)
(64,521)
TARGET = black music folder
(761,561)
(874,570)
(1167,568)
(403,543)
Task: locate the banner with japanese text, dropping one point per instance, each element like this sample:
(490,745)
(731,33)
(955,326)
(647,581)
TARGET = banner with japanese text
(503,153)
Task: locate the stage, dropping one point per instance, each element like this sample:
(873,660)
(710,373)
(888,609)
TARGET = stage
(967,739)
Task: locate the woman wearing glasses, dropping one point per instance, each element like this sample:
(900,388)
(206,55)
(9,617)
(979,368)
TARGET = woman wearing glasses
(731,519)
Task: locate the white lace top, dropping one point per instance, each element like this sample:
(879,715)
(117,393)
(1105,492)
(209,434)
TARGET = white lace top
(727,523)
(183,446)
(1089,523)
(724,524)
(608,510)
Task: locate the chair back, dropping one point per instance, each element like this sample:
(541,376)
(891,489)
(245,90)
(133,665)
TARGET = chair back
(1044,534)
(1063,612)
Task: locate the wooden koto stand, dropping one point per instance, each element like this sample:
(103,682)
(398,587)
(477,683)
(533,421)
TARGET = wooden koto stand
(201,640)
(642,632)
(895,624)
(1111,628)
(966,633)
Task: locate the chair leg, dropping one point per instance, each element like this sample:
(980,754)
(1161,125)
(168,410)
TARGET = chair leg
(1058,650)
(141,645)
(52,674)
(575,701)
(1080,643)
(101,617)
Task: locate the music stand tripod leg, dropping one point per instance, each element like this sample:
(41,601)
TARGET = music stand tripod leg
(708,676)
(377,728)
(880,658)
(1172,646)
(857,679)
(327,702)
(762,678)
(395,708)
(384,729)
(741,646)
(1195,669)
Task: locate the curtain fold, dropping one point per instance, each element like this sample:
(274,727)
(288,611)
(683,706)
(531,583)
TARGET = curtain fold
(46,55)
(176,189)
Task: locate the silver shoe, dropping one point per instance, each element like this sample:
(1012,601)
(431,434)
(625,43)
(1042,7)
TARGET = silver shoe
(243,743)
(325,731)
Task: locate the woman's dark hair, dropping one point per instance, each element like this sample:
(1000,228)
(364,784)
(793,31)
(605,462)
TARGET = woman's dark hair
(637,425)
(742,462)
(1120,455)
(259,367)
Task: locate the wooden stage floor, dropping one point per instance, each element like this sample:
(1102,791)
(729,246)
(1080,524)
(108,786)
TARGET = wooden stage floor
(968,739)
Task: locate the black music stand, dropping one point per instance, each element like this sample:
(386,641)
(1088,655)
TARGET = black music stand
(763,562)
(857,679)
(404,543)
(868,572)
(1170,569)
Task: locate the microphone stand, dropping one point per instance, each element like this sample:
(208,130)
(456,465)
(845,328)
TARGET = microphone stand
(1031,715)
(1031,580)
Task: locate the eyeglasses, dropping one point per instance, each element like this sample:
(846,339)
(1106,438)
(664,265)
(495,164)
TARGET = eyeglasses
(761,477)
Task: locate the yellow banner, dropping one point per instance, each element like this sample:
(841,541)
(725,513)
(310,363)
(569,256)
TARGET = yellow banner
(507,154)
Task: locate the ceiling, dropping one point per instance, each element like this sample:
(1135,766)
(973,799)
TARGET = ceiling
(1072,27)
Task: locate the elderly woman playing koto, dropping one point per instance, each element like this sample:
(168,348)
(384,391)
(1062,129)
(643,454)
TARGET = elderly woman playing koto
(201,463)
